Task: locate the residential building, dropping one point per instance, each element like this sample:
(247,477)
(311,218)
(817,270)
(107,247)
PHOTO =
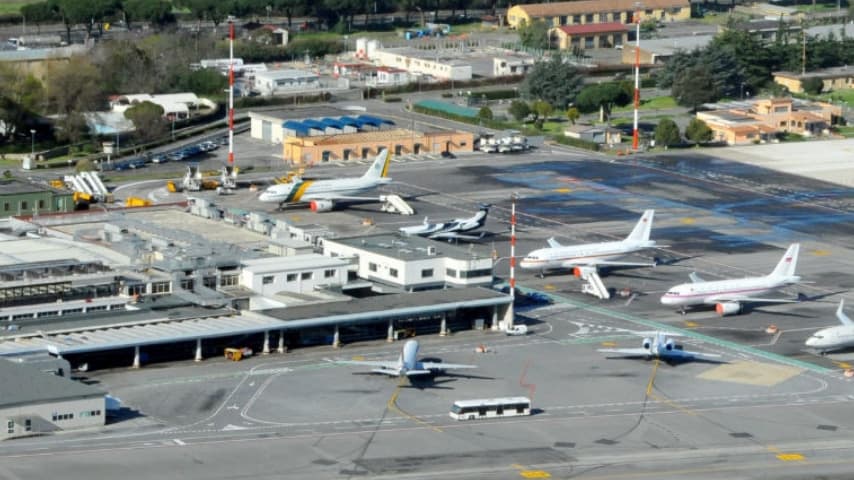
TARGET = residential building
(364,145)
(586,36)
(834,78)
(598,11)
(276,82)
(760,120)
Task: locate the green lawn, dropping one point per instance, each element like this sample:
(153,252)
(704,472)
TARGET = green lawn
(655,103)
(13,6)
(847,132)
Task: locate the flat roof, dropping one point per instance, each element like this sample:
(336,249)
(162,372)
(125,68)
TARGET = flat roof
(285,73)
(406,247)
(15,186)
(299,113)
(47,249)
(25,384)
(295,262)
(163,329)
(593,6)
(375,136)
(593,28)
(669,46)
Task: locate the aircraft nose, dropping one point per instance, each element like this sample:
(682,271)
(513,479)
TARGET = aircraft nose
(812,342)
(665,300)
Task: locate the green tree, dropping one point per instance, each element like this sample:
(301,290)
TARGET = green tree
(84,165)
(534,35)
(572,114)
(667,133)
(519,110)
(697,131)
(543,109)
(203,82)
(39,13)
(148,121)
(485,113)
(604,96)
(813,85)
(72,89)
(553,81)
(694,86)
(157,12)
(20,100)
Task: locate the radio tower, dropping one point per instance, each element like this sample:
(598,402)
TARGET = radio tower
(637,80)
(512,256)
(231,94)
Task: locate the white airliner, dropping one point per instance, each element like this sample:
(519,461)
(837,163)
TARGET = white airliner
(452,229)
(407,365)
(728,295)
(659,346)
(834,338)
(593,255)
(323,195)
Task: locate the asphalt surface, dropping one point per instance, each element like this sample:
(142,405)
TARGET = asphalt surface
(771,409)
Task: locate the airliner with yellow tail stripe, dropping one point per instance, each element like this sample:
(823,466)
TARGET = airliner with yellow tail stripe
(323,195)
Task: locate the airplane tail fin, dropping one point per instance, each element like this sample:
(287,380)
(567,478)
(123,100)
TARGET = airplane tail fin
(641,231)
(843,319)
(379,169)
(787,264)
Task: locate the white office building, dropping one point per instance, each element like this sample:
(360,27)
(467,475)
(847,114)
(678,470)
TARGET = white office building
(424,62)
(275,82)
(297,274)
(411,263)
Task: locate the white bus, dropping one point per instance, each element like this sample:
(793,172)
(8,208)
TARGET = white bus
(490,408)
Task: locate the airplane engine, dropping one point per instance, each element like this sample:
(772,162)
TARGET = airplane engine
(321,205)
(728,308)
(647,343)
(582,272)
(669,345)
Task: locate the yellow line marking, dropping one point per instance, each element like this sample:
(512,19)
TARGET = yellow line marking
(392,405)
(296,218)
(549,286)
(773,449)
(790,457)
(842,364)
(358,358)
(563,190)
(517,466)
(688,221)
(821,253)
(651,378)
(535,474)
(609,344)
(691,324)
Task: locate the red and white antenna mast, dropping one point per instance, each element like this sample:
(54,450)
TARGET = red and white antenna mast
(512,255)
(231,94)
(637,77)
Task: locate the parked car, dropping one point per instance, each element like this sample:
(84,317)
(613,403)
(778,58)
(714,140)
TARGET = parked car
(176,156)
(159,159)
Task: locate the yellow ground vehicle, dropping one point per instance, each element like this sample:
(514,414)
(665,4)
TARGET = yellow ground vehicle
(237,354)
(136,202)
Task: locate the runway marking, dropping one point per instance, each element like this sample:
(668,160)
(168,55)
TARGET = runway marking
(690,324)
(651,381)
(549,287)
(820,253)
(392,405)
(178,442)
(842,364)
(688,221)
(790,457)
(563,190)
(609,344)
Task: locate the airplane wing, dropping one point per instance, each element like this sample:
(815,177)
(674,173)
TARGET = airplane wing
(455,236)
(606,263)
(697,355)
(443,366)
(746,299)
(369,363)
(627,352)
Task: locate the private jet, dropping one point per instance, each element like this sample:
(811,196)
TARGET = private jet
(452,229)
(834,338)
(662,347)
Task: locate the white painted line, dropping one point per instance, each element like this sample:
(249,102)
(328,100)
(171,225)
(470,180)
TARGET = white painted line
(178,442)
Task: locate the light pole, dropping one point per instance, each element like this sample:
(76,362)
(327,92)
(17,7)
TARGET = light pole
(33,145)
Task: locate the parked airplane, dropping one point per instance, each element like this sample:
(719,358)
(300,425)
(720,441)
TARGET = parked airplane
(834,338)
(323,195)
(661,347)
(593,255)
(452,229)
(407,365)
(728,295)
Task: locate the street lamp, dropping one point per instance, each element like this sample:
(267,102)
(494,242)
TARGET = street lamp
(33,144)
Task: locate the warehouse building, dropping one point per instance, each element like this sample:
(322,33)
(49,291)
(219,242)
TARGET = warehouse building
(275,82)
(351,146)
(36,403)
(424,62)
